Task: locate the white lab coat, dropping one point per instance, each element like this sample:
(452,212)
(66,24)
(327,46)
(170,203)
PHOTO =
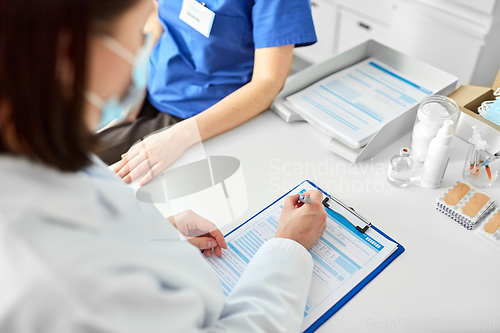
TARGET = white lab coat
(78,253)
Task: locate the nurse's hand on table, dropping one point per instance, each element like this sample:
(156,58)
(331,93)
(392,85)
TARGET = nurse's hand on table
(200,232)
(157,152)
(303,223)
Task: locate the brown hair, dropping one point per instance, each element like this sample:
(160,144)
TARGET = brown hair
(47,118)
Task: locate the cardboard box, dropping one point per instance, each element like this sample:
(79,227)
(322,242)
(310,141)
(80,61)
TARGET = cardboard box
(441,82)
(469,98)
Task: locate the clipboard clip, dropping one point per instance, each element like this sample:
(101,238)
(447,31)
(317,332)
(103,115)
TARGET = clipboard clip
(360,223)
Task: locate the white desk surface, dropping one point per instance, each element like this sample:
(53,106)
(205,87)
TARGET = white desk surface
(447,279)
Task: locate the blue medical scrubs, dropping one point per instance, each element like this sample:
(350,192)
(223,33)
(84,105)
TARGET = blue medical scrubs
(189,72)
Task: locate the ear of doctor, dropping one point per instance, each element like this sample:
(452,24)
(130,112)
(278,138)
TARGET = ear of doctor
(303,223)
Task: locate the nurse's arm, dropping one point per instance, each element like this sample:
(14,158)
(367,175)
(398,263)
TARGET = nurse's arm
(272,67)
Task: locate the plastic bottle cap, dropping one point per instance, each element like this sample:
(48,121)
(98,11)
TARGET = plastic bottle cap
(447,129)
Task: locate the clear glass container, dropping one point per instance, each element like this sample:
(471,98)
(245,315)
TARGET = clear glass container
(399,173)
(431,114)
(481,168)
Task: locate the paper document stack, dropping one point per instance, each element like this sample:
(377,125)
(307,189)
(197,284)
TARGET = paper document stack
(352,105)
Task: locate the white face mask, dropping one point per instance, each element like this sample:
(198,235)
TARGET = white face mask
(114,108)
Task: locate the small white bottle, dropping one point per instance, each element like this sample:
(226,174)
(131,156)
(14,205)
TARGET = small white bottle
(437,157)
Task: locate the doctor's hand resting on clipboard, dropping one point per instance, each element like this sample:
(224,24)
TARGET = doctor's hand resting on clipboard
(78,251)
(206,79)
(200,232)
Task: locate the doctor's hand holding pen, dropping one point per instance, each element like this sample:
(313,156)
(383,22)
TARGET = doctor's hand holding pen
(200,232)
(303,221)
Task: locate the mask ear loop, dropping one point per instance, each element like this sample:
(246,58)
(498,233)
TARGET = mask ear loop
(94,100)
(484,107)
(147,47)
(117,48)
(497,93)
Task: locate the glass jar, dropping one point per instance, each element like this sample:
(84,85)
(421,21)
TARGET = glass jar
(481,168)
(431,114)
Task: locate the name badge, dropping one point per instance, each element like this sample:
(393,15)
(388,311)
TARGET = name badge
(196,15)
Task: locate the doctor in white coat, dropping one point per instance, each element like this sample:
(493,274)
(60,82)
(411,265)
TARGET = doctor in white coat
(78,252)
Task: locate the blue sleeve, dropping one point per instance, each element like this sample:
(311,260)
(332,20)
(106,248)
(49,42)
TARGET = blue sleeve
(282,22)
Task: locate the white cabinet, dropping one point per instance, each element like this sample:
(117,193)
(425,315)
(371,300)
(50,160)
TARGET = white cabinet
(484,6)
(339,26)
(461,37)
(356,29)
(377,10)
(453,39)
(325,23)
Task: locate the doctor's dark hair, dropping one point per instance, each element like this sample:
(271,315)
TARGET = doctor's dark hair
(48,118)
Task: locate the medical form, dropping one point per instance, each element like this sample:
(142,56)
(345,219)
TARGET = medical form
(352,105)
(343,257)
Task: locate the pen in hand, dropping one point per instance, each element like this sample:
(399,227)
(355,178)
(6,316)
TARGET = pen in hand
(305,199)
